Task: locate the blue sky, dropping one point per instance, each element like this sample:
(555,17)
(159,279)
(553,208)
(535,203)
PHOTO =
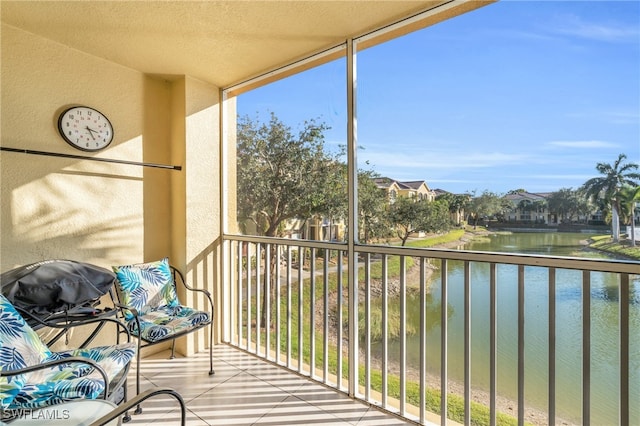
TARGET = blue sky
(517,94)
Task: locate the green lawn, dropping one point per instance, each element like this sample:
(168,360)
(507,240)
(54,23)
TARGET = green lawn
(449,237)
(479,413)
(623,247)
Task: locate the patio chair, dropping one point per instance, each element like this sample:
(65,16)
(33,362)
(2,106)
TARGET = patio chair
(32,376)
(146,294)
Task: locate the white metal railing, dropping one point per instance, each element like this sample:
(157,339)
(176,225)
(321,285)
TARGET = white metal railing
(303,324)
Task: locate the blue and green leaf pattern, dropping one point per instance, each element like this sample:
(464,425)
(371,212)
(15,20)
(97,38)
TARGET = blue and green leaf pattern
(149,288)
(20,346)
(166,321)
(145,286)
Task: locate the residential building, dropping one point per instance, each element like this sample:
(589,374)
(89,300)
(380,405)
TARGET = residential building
(390,186)
(529,207)
(417,189)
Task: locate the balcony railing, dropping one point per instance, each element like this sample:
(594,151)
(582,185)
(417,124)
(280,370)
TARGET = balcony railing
(424,317)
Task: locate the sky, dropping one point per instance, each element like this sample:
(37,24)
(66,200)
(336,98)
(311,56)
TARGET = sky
(515,95)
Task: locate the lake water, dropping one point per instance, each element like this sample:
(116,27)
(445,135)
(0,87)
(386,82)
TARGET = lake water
(604,329)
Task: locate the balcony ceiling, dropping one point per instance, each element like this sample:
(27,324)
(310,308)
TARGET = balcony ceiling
(220,42)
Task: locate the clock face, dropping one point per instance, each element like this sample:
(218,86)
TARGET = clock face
(85,128)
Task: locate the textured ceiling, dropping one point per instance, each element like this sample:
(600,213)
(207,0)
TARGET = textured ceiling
(221,42)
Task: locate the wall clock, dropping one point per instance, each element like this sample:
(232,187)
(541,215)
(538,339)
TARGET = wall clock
(85,128)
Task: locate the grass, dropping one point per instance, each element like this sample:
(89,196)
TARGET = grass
(480,414)
(449,237)
(621,248)
(455,403)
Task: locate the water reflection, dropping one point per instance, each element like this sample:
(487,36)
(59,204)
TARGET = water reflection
(604,328)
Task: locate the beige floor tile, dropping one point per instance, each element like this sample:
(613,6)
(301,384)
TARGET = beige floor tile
(245,390)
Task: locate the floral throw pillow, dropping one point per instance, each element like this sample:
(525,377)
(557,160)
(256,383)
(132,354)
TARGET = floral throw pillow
(145,286)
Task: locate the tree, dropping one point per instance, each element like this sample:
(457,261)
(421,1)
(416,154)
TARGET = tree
(405,217)
(437,217)
(607,187)
(457,203)
(485,205)
(526,206)
(372,203)
(516,191)
(568,204)
(629,196)
(334,194)
(372,208)
(283,176)
(408,216)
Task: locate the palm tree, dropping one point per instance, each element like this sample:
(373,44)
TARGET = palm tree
(607,187)
(629,196)
(457,204)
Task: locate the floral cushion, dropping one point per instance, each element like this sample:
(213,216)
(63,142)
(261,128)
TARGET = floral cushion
(38,395)
(74,380)
(145,286)
(166,321)
(20,346)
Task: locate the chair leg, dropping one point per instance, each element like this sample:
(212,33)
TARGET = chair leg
(127,417)
(138,408)
(211,372)
(173,349)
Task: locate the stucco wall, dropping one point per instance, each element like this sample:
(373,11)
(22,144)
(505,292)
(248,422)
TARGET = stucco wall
(65,208)
(105,213)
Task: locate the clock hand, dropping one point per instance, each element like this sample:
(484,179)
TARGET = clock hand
(91,132)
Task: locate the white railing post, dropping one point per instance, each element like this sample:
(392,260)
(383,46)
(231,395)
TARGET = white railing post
(493,337)
(624,349)
(552,347)
(586,348)
(352,192)
(444,352)
(521,343)
(243,297)
(467,343)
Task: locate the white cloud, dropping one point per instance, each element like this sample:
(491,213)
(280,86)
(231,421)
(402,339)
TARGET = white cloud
(555,177)
(583,144)
(612,117)
(610,32)
(441,160)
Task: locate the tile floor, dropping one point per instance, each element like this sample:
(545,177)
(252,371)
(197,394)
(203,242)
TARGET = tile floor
(244,391)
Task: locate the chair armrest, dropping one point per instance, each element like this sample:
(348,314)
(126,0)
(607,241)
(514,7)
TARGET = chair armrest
(184,282)
(67,321)
(122,408)
(131,309)
(69,360)
(206,292)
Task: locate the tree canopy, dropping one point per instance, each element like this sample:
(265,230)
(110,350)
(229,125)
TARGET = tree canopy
(486,205)
(606,187)
(457,203)
(372,208)
(409,216)
(628,197)
(568,204)
(282,175)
